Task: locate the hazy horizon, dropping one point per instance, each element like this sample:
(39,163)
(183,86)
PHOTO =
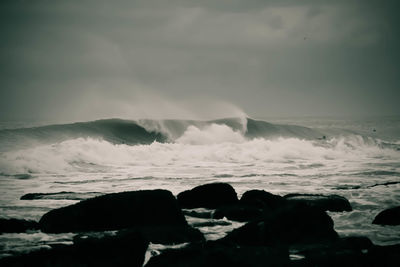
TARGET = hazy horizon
(78,61)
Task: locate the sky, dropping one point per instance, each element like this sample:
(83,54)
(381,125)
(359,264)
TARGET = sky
(81,60)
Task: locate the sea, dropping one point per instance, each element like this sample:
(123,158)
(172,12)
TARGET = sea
(358,158)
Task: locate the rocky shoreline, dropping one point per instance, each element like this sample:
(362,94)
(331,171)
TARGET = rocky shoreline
(116,229)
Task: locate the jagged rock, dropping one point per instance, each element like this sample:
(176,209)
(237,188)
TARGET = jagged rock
(218,254)
(293,224)
(123,249)
(324,202)
(116,211)
(208,196)
(388,217)
(17,225)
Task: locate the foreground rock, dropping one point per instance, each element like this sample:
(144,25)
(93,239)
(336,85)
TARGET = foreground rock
(17,225)
(116,211)
(324,202)
(293,224)
(218,254)
(208,196)
(123,249)
(388,217)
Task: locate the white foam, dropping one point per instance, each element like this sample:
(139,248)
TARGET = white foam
(210,134)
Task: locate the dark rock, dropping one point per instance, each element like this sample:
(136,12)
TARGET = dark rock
(388,256)
(238,213)
(217,254)
(293,224)
(262,199)
(17,225)
(123,249)
(206,214)
(210,223)
(388,217)
(208,196)
(116,211)
(324,202)
(60,195)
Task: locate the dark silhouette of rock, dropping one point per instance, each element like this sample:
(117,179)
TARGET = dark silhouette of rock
(238,213)
(388,217)
(208,196)
(324,202)
(262,199)
(60,195)
(17,225)
(205,214)
(293,224)
(123,249)
(218,254)
(116,211)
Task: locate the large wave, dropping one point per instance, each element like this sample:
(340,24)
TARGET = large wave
(119,131)
(199,143)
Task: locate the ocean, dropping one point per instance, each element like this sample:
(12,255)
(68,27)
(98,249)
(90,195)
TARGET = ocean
(358,158)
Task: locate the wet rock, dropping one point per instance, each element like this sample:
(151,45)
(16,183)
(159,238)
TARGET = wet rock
(116,211)
(324,202)
(208,196)
(218,254)
(238,213)
(388,217)
(123,249)
(262,199)
(293,224)
(17,225)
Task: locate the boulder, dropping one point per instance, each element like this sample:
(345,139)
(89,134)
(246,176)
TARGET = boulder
(116,211)
(208,196)
(17,225)
(262,199)
(324,202)
(218,254)
(293,224)
(123,249)
(388,217)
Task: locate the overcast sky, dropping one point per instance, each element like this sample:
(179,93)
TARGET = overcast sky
(77,60)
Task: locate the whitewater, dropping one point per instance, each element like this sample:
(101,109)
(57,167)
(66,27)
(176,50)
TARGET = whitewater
(357,159)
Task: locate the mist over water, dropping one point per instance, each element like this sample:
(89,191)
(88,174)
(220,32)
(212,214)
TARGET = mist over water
(96,157)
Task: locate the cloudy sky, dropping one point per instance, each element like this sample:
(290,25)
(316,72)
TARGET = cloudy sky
(77,60)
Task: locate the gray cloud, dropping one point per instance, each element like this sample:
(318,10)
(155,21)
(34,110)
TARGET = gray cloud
(92,59)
